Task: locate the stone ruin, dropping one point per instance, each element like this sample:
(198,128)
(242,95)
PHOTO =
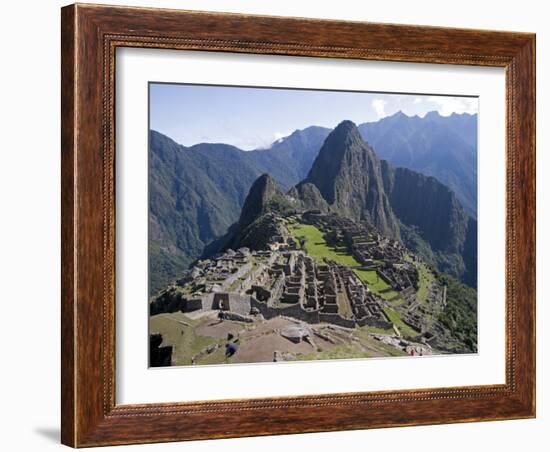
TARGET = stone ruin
(283,280)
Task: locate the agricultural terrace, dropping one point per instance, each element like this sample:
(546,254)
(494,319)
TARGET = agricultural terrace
(316,246)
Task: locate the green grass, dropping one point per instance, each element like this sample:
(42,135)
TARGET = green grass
(317,247)
(369,341)
(344,351)
(395,318)
(387,349)
(375,283)
(344,306)
(376,330)
(425,281)
(214,358)
(354,350)
(235,284)
(185,342)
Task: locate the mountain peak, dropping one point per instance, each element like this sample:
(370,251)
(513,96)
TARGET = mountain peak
(345,135)
(263,188)
(400,114)
(264,180)
(264,196)
(346,126)
(347,174)
(432,114)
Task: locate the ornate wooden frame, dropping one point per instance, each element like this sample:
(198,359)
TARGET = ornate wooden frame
(90,35)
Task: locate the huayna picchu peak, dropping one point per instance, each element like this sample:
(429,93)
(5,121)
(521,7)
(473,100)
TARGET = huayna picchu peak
(348,175)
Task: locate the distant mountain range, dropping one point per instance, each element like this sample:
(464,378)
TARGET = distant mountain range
(196,193)
(444,147)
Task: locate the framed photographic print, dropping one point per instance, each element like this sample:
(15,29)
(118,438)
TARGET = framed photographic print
(281,225)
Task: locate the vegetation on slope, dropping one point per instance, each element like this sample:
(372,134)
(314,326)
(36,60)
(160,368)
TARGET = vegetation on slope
(376,284)
(460,312)
(395,318)
(178,330)
(425,280)
(316,246)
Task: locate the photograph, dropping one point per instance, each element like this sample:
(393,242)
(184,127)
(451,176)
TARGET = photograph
(291,224)
(267,226)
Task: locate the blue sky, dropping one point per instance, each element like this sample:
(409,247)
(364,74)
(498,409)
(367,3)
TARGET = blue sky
(252,118)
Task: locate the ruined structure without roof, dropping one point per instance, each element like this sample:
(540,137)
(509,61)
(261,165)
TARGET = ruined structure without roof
(284,280)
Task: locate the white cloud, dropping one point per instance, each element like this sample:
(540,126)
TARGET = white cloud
(250,143)
(417,100)
(279,135)
(449,105)
(379,107)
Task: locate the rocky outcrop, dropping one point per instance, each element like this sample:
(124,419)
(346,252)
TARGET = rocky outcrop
(307,196)
(296,333)
(348,175)
(263,197)
(229,315)
(258,234)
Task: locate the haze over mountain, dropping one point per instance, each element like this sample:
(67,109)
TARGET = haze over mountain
(197,192)
(289,159)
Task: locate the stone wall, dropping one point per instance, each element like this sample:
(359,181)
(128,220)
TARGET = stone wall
(242,270)
(190,305)
(336,319)
(239,303)
(232,302)
(228,315)
(276,290)
(261,293)
(220,301)
(376,322)
(174,301)
(330,308)
(294,311)
(314,317)
(246,284)
(384,277)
